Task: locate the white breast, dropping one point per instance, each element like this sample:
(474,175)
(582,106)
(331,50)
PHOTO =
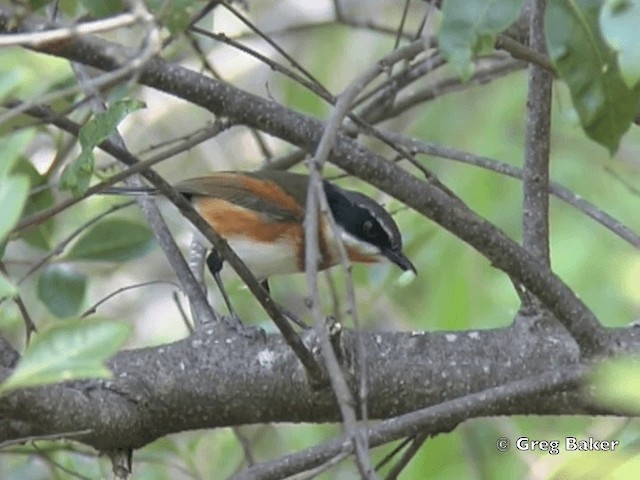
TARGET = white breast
(265,259)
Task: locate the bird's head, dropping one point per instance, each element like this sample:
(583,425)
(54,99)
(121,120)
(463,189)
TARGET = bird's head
(367,229)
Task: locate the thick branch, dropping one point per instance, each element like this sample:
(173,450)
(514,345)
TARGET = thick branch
(234,380)
(425,422)
(304,131)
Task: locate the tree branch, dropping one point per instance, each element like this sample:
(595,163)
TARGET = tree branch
(304,131)
(432,420)
(563,193)
(189,212)
(235,380)
(535,218)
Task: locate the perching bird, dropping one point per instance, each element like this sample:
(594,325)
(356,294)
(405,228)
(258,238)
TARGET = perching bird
(261,215)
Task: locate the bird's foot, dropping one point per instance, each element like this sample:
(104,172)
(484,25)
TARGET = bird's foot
(251,332)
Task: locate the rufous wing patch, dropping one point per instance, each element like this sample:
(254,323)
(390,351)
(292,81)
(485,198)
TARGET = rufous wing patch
(231,220)
(271,193)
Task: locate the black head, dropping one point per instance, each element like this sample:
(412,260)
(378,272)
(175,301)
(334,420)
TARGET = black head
(364,220)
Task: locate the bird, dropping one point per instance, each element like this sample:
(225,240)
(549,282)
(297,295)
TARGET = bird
(261,215)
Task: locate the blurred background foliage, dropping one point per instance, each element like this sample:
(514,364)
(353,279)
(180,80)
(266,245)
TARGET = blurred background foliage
(457,289)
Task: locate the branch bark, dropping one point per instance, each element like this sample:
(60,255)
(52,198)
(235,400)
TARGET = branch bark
(215,380)
(535,226)
(304,131)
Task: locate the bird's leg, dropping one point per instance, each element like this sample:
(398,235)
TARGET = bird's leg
(214,262)
(292,317)
(196,261)
(285,312)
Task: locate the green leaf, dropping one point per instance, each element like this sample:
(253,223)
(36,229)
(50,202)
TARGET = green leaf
(37,4)
(40,236)
(13,195)
(468,26)
(115,240)
(9,82)
(69,7)
(7,288)
(69,350)
(77,174)
(62,289)
(174,14)
(103,124)
(620,25)
(605,105)
(616,384)
(12,147)
(103,8)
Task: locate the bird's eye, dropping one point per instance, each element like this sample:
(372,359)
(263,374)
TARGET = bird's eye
(367,227)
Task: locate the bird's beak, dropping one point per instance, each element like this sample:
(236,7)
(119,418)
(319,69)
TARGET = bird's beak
(399,258)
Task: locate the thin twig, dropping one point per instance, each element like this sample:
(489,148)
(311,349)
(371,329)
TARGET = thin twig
(92,309)
(371,25)
(37,39)
(245,443)
(316,88)
(304,131)
(446,86)
(407,456)
(521,52)
(429,420)
(535,181)
(53,436)
(307,359)
(315,208)
(204,60)
(423,23)
(183,313)
(29,325)
(392,86)
(276,47)
(74,129)
(182,143)
(317,471)
(255,438)
(563,193)
(62,245)
(633,190)
(403,19)
(392,454)
(150,46)
(56,464)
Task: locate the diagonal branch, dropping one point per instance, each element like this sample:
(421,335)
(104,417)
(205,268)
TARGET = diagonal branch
(316,202)
(428,421)
(185,207)
(563,193)
(304,131)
